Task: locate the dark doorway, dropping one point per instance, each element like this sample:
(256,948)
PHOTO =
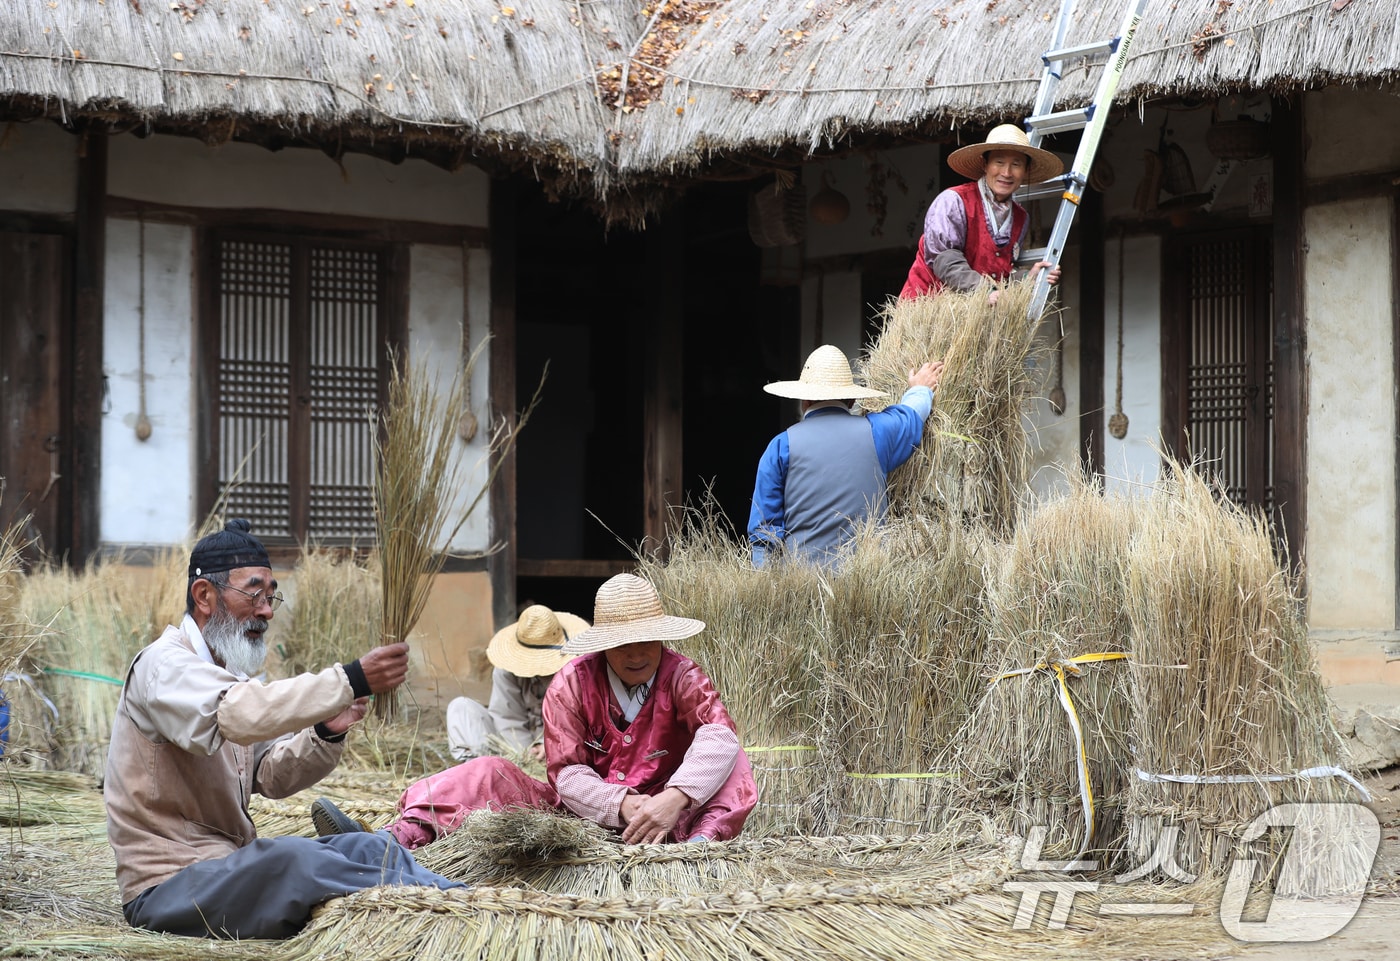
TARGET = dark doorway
(35,358)
(1218,360)
(594,305)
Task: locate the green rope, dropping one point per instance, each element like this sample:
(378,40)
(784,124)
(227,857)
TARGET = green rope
(84,675)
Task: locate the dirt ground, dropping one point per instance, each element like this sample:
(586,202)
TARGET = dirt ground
(1375,931)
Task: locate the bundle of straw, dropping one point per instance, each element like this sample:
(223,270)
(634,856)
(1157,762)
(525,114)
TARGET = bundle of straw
(903,646)
(974,460)
(418,481)
(1054,605)
(493,847)
(1225,685)
(334,611)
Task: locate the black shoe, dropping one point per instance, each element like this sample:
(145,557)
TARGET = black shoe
(329,819)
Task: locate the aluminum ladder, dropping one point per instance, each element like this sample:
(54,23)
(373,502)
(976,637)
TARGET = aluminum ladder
(1091,119)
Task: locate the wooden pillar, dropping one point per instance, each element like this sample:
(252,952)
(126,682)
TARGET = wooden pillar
(82,452)
(1091,332)
(1290,329)
(663,384)
(503,245)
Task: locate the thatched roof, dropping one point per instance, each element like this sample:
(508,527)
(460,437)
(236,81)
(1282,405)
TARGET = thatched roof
(606,94)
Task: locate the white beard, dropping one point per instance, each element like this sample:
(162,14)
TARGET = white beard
(229,641)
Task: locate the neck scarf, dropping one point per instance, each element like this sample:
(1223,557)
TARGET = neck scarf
(998,214)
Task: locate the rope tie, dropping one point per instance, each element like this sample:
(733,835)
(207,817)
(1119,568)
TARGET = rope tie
(1061,667)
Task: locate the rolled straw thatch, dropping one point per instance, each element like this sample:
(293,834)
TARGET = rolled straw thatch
(1225,684)
(974,460)
(549,851)
(1056,594)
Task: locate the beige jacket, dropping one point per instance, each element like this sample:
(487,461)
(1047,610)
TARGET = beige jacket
(190,744)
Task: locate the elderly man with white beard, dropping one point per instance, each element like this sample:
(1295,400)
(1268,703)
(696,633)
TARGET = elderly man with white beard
(196,734)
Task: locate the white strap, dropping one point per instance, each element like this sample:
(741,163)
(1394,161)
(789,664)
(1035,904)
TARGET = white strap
(1312,772)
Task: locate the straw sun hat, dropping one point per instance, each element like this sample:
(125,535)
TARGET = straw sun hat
(825,376)
(628,611)
(1043,164)
(534,645)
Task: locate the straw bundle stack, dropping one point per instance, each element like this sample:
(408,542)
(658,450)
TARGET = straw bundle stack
(91,624)
(845,684)
(903,647)
(1056,600)
(974,460)
(335,612)
(1225,685)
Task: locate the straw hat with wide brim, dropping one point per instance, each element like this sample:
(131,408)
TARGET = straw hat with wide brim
(628,611)
(534,645)
(1043,164)
(825,376)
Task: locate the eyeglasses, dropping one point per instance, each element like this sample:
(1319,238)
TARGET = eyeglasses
(273,600)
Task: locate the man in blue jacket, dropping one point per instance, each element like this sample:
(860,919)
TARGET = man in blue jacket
(821,477)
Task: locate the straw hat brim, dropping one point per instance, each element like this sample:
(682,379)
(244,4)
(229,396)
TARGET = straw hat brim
(800,390)
(505,650)
(665,627)
(1043,164)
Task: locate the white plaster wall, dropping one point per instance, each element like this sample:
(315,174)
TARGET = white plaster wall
(147,492)
(1351,416)
(1350,130)
(435,316)
(186,172)
(1131,465)
(1054,438)
(841,313)
(911,181)
(38,168)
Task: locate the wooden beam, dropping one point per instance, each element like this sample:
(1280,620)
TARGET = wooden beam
(82,453)
(326,225)
(1290,329)
(1091,333)
(569,567)
(663,332)
(504,244)
(1350,187)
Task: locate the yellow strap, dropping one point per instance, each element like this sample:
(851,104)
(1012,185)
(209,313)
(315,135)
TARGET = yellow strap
(1060,667)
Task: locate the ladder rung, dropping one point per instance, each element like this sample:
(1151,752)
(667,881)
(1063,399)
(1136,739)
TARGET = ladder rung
(1029,258)
(1083,50)
(1048,123)
(1055,187)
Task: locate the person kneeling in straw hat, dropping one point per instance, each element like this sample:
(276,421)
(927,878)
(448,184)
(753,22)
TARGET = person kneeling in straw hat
(974,230)
(526,656)
(636,739)
(825,474)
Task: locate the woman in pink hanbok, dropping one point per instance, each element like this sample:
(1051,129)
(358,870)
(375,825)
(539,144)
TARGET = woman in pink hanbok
(636,739)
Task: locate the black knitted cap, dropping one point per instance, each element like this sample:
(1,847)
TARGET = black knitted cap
(228,549)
